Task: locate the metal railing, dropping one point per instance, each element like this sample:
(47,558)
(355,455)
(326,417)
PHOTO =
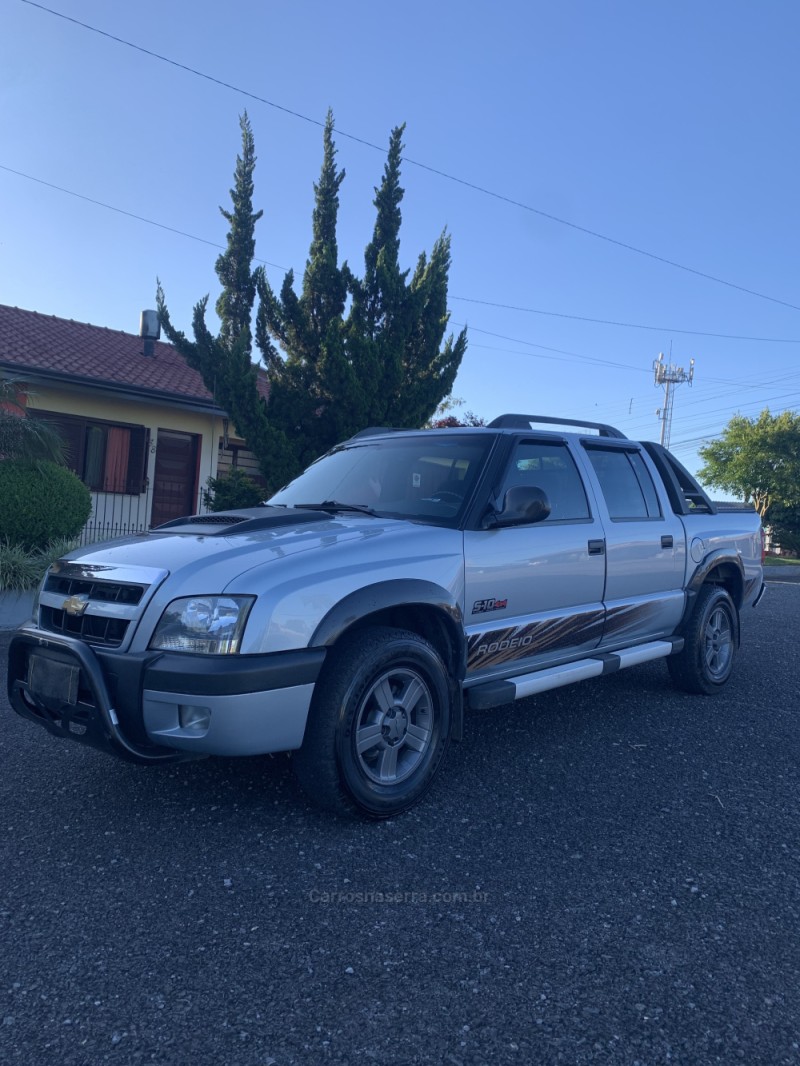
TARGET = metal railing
(118,515)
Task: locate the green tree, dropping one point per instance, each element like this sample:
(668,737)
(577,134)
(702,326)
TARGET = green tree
(395,328)
(314,384)
(232,490)
(331,370)
(448,416)
(757,459)
(381,364)
(784,523)
(23,437)
(224,360)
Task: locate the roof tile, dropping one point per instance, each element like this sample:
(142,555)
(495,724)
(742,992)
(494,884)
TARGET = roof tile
(43,343)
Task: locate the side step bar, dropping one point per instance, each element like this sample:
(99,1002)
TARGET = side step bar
(496,693)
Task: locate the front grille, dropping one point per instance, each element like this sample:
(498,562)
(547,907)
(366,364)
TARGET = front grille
(92,628)
(99,591)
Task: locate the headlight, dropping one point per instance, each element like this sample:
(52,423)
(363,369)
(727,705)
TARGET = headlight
(212,625)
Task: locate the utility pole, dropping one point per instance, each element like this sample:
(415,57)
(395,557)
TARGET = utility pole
(668,375)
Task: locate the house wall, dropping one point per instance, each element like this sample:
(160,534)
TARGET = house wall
(114,514)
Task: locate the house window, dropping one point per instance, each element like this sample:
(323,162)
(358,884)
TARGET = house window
(106,456)
(237,457)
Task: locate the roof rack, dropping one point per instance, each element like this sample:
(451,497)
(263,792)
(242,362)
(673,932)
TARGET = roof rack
(524,422)
(372,431)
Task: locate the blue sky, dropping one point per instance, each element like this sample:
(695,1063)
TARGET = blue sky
(671,128)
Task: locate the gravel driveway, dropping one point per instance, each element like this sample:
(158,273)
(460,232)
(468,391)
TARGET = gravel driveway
(602,874)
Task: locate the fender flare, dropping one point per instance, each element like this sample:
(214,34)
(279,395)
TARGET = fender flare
(699,578)
(709,563)
(405,593)
(402,592)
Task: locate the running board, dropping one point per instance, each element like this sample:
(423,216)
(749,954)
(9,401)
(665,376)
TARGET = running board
(496,693)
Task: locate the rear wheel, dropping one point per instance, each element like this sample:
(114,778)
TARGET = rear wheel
(711,637)
(378,726)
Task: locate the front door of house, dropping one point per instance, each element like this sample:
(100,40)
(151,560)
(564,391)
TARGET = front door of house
(175,478)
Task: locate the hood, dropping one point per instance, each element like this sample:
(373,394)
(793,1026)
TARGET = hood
(223,548)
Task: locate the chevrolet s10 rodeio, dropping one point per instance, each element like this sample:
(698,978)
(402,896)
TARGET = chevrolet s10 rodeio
(404,577)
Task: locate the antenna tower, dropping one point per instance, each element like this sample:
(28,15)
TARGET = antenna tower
(668,375)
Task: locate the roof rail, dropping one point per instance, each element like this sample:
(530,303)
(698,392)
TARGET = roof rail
(525,421)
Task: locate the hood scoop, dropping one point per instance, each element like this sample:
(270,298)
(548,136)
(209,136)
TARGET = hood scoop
(248,520)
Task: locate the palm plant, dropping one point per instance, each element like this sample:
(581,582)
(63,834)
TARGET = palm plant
(23,437)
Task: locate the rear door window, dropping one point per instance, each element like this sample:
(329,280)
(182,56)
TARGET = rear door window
(626,484)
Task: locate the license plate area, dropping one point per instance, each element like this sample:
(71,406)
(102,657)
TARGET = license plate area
(52,680)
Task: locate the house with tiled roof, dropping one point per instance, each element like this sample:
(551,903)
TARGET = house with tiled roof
(141,429)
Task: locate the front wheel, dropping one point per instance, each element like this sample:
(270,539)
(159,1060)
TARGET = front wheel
(711,637)
(378,726)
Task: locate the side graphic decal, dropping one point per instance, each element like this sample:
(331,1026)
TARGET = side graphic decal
(629,618)
(494,647)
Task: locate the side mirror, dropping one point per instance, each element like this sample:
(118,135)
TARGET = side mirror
(523,505)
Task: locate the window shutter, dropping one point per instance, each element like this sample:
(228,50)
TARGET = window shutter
(72,431)
(137,461)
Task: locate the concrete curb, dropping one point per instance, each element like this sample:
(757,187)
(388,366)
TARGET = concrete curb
(15,608)
(782,573)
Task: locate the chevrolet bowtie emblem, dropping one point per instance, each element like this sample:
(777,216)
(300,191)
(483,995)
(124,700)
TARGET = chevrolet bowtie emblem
(75,605)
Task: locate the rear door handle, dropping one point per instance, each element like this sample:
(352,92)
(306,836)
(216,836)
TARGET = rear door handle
(666,541)
(597,547)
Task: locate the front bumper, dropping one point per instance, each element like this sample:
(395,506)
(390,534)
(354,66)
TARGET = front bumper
(132,705)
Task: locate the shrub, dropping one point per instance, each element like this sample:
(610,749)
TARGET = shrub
(233,490)
(41,502)
(20,568)
(23,568)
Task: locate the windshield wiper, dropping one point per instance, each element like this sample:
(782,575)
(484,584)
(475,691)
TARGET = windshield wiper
(336,505)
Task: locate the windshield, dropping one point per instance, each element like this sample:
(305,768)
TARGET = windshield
(425,477)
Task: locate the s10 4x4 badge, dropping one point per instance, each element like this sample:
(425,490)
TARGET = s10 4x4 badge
(481,606)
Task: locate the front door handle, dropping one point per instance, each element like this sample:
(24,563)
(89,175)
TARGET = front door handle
(597,547)
(666,541)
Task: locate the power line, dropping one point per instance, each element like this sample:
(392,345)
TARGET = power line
(693,423)
(699,417)
(624,419)
(422,166)
(556,354)
(781,400)
(626,325)
(128,214)
(474,329)
(559,351)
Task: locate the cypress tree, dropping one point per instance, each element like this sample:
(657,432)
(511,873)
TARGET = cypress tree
(224,361)
(314,393)
(395,329)
(332,370)
(379,365)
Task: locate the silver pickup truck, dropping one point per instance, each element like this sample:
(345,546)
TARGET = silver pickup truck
(403,577)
